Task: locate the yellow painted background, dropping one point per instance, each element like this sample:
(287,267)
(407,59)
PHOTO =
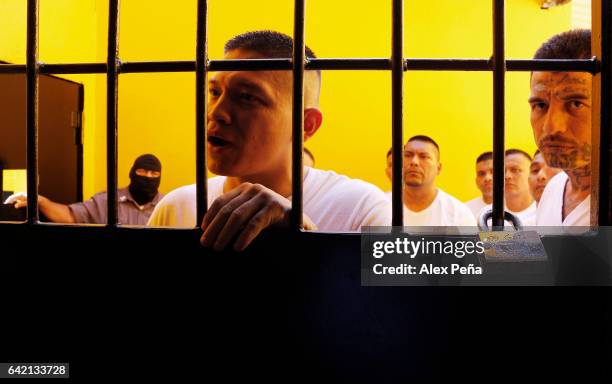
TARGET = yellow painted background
(156,111)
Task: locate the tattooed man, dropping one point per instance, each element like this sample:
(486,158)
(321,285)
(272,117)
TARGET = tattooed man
(561,121)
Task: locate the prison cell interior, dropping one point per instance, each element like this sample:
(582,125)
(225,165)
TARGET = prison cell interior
(151,293)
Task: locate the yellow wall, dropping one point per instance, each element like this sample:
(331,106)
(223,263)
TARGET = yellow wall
(156,111)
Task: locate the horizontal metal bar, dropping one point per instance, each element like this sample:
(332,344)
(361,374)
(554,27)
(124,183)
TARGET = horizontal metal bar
(250,65)
(13,68)
(352,64)
(83,68)
(448,65)
(349,64)
(157,66)
(585,65)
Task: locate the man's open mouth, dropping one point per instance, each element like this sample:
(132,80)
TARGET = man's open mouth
(216,141)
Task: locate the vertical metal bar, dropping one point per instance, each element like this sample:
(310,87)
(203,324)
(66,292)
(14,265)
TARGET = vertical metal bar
(201,113)
(499,74)
(32,110)
(397,104)
(79,144)
(112,71)
(605,134)
(298,115)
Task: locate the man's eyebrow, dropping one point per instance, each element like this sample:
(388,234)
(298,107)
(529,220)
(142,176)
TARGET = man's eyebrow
(248,84)
(574,96)
(243,83)
(535,99)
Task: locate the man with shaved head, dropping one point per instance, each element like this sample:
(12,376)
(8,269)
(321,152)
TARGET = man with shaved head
(539,175)
(249,144)
(518,199)
(425,204)
(561,121)
(484,182)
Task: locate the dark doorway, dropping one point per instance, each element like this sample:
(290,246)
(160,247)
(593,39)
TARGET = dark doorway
(60,151)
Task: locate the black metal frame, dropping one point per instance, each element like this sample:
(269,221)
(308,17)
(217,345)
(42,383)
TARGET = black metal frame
(397,64)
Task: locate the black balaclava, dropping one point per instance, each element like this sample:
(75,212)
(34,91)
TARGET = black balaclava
(144,189)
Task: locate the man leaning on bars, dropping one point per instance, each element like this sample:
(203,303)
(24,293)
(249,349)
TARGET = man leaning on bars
(249,144)
(561,121)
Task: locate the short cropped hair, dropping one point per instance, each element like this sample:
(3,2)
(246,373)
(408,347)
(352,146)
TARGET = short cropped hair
(484,157)
(426,139)
(514,151)
(536,153)
(574,44)
(268,43)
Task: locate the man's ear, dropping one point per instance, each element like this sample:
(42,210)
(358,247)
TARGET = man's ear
(312,121)
(439,168)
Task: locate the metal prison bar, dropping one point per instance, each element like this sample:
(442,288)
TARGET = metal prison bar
(601,67)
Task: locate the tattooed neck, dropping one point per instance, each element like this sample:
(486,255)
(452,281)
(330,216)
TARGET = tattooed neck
(580,178)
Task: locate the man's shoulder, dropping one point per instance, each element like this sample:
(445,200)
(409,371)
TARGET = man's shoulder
(553,191)
(186,192)
(557,181)
(475,202)
(339,203)
(457,211)
(334,183)
(99,198)
(451,200)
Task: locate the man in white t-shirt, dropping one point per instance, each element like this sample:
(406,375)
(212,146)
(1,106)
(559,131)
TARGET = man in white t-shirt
(518,199)
(249,142)
(484,182)
(539,175)
(389,170)
(424,204)
(561,121)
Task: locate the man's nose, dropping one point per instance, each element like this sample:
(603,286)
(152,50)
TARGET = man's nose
(554,121)
(507,174)
(541,176)
(218,111)
(414,160)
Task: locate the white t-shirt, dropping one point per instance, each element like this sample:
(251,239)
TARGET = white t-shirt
(335,203)
(550,209)
(476,205)
(445,210)
(527,216)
